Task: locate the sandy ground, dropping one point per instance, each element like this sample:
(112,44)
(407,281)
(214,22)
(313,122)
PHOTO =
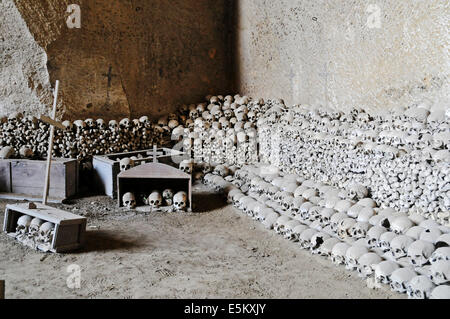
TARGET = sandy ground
(215,252)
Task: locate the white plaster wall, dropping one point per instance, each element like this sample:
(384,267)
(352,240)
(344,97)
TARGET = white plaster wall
(285,48)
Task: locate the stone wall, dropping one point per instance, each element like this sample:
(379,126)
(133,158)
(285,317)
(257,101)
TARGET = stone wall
(338,53)
(158,54)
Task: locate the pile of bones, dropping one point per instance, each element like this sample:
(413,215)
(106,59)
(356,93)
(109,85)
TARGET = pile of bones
(402,156)
(409,253)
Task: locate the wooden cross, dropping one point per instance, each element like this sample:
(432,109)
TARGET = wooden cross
(51,121)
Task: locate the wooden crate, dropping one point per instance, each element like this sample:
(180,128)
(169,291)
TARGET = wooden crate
(107,168)
(24,179)
(70,229)
(142,179)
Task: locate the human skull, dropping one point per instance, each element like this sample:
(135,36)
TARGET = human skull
(180,201)
(385,241)
(400,279)
(384,270)
(129,200)
(126,163)
(352,256)
(419,252)
(46,233)
(420,287)
(327,247)
(186,166)
(35,225)
(23,225)
(401,225)
(167,195)
(344,227)
(373,236)
(317,241)
(440,272)
(366,264)
(400,245)
(441,292)
(305,238)
(338,253)
(359,230)
(296,232)
(125,123)
(113,125)
(442,253)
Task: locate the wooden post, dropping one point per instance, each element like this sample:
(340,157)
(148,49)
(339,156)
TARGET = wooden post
(2,289)
(50,146)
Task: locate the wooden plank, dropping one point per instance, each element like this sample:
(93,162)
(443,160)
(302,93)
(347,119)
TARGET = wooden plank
(51,122)
(2,289)
(30,198)
(53,215)
(32,174)
(5,176)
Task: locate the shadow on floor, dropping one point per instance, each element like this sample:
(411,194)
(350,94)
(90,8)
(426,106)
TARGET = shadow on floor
(207,202)
(107,241)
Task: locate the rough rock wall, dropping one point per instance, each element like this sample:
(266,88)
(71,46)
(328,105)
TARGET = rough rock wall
(129,58)
(24,80)
(372,54)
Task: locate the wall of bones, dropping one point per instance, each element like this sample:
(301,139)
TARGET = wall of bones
(410,254)
(403,158)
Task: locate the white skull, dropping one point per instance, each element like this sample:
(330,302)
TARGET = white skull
(385,241)
(327,247)
(180,201)
(23,225)
(419,252)
(344,227)
(279,226)
(442,253)
(339,252)
(325,216)
(101,124)
(366,264)
(384,270)
(113,125)
(129,200)
(126,164)
(336,219)
(317,241)
(414,232)
(289,229)
(305,238)
(46,233)
(420,287)
(352,256)
(440,272)
(359,230)
(125,123)
(400,279)
(35,225)
(296,232)
(373,236)
(186,166)
(401,225)
(167,195)
(441,292)
(430,234)
(155,200)
(400,245)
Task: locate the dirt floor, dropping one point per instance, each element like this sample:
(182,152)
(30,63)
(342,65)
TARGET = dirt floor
(215,252)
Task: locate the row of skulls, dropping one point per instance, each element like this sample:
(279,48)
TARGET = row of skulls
(409,253)
(408,170)
(156,200)
(34,231)
(27,137)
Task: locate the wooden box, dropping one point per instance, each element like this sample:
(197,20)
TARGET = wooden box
(107,168)
(24,179)
(70,229)
(143,179)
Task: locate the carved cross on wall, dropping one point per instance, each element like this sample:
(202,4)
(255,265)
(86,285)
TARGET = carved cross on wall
(110,76)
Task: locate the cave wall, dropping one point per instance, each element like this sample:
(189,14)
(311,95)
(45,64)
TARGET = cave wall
(129,58)
(371,54)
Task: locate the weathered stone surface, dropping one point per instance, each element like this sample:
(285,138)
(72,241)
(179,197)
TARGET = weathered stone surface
(160,54)
(332,52)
